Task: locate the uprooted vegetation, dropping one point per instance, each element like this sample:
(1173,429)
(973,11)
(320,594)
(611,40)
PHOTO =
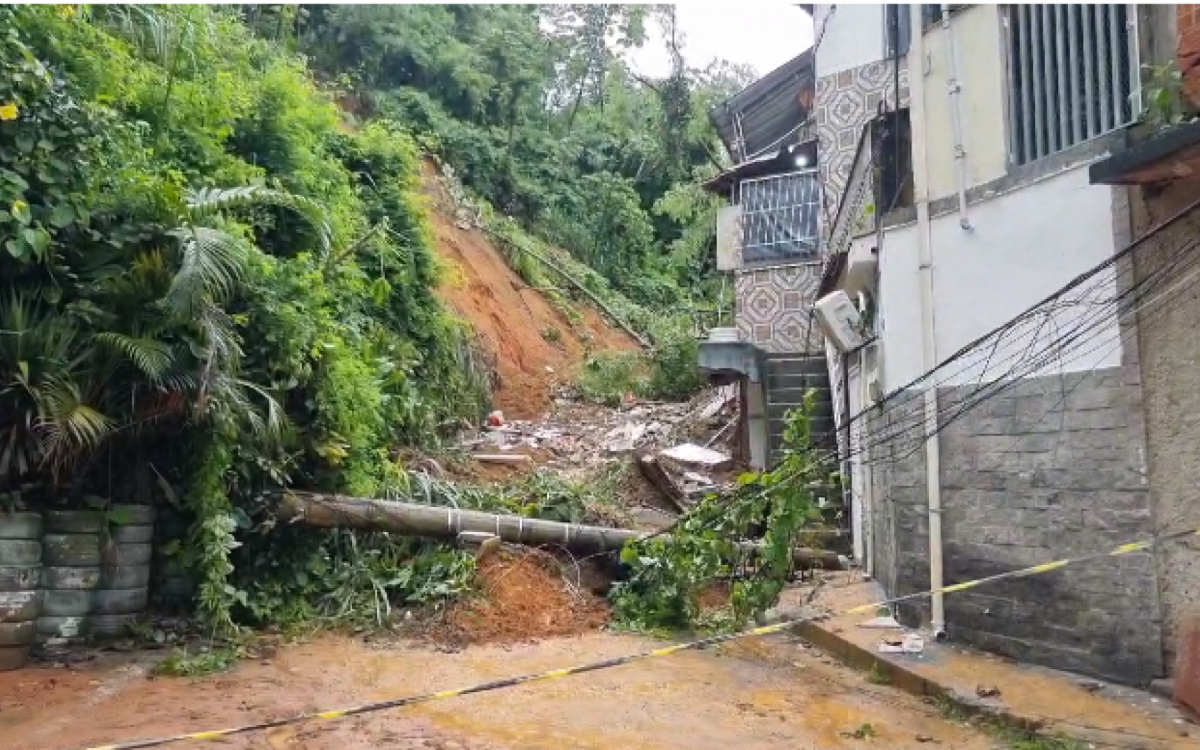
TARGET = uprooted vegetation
(220,276)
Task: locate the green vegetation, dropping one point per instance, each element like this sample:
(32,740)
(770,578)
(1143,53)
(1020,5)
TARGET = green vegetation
(182,664)
(669,576)
(1004,730)
(217,274)
(879,675)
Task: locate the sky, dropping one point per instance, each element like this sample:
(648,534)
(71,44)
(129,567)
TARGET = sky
(761,33)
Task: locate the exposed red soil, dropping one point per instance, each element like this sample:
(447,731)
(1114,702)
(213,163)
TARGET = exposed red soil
(535,346)
(523,596)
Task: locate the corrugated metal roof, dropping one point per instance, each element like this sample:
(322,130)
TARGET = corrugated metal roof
(764,115)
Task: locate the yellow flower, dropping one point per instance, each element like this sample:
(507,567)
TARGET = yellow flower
(65,11)
(8,111)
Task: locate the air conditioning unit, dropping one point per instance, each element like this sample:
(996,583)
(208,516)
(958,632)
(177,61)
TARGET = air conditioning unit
(840,321)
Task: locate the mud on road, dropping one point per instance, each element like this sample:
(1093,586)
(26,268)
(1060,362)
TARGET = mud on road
(754,694)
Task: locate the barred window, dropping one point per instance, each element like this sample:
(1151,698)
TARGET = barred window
(779,217)
(1070,75)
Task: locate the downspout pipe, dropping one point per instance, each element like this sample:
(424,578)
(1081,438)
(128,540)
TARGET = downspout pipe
(916,66)
(955,90)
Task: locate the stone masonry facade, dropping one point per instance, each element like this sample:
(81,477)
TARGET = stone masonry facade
(1051,467)
(1170,361)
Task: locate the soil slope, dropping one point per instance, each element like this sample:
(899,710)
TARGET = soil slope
(535,346)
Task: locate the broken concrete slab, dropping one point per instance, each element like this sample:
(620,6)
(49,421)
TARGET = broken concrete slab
(658,476)
(690,454)
(624,439)
(725,395)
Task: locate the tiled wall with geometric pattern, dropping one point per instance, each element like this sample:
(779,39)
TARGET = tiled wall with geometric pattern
(845,102)
(773,306)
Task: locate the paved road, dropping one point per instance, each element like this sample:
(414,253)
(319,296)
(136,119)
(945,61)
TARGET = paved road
(752,695)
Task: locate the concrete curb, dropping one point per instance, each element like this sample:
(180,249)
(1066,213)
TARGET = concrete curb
(899,675)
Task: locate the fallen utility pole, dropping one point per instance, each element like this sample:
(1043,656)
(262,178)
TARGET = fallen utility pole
(337,511)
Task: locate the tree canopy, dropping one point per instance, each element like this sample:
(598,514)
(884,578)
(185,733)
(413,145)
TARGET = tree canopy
(217,277)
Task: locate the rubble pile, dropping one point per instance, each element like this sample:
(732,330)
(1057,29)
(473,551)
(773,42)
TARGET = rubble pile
(683,449)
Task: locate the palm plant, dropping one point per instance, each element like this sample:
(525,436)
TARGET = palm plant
(66,387)
(212,263)
(44,415)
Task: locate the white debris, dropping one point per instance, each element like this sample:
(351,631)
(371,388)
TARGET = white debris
(690,454)
(911,643)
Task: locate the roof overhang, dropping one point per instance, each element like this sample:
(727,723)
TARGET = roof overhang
(1171,155)
(787,159)
(768,111)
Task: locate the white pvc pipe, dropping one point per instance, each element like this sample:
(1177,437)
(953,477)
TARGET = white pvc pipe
(955,90)
(916,66)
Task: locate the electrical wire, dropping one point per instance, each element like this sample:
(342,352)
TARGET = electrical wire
(1024,365)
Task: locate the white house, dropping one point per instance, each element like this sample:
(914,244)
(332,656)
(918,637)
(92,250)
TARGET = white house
(991,420)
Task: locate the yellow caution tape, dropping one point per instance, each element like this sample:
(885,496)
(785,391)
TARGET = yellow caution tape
(609,663)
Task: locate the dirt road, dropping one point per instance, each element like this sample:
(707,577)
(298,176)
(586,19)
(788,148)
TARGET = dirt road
(762,693)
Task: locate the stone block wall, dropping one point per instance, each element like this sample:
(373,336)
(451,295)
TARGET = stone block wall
(898,517)
(1052,467)
(1170,367)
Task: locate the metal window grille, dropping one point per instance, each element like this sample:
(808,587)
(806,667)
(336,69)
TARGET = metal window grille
(779,217)
(1070,75)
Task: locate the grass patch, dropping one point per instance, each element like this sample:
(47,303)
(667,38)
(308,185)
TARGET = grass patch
(206,662)
(607,376)
(879,675)
(1005,731)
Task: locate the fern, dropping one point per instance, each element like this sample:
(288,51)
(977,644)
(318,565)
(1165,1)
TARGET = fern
(150,356)
(212,264)
(208,201)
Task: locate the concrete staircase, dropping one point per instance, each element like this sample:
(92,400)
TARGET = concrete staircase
(789,377)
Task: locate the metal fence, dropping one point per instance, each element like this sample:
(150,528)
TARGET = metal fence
(1071,74)
(779,217)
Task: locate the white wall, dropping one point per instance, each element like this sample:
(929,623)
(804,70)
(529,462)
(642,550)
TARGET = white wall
(1025,245)
(978,37)
(853,36)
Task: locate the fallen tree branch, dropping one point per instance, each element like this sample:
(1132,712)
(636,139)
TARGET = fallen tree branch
(577,284)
